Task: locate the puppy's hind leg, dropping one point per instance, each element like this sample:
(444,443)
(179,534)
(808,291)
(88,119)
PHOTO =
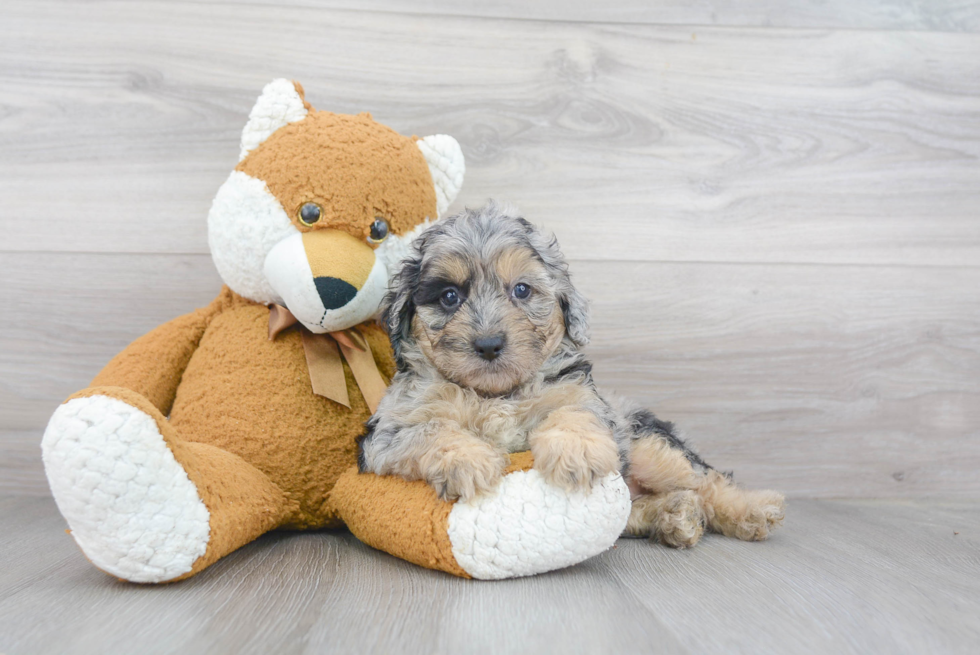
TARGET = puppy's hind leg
(660,463)
(669,509)
(674,519)
(746,514)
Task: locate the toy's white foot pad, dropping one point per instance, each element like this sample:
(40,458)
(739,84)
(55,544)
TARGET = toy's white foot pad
(130,505)
(526,526)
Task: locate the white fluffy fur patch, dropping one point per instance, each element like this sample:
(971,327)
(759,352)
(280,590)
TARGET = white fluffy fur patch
(279,105)
(446,165)
(288,271)
(395,248)
(244,224)
(130,505)
(527,526)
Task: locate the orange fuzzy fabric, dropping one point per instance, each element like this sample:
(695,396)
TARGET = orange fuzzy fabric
(406,519)
(329,159)
(252,398)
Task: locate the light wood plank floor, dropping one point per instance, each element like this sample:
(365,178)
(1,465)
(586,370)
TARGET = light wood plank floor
(773,206)
(841,577)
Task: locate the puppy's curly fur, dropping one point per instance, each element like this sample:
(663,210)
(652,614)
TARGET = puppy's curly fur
(488,332)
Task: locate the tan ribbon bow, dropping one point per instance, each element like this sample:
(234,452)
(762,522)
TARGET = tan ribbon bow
(323,357)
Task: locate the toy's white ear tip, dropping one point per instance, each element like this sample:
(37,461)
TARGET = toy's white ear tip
(447,166)
(279,104)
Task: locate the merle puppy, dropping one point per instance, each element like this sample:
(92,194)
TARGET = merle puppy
(488,332)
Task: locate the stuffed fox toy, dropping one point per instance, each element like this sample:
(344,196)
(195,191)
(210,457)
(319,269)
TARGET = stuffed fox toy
(242,417)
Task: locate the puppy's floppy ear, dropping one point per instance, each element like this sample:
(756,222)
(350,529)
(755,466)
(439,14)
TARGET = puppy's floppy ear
(575,309)
(398,308)
(574,306)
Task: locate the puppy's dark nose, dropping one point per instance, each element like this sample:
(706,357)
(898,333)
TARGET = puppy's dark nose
(334,292)
(489,347)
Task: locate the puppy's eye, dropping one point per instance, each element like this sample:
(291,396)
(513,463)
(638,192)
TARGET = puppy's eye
(521,291)
(379,230)
(449,298)
(309,213)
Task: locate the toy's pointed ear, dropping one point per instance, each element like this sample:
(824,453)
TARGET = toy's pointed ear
(445,159)
(281,103)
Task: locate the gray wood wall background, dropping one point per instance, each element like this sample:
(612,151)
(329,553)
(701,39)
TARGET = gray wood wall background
(774,206)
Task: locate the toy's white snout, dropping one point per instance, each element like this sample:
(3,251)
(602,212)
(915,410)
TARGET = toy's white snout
(328,279)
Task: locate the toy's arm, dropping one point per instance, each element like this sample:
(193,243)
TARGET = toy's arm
(524,526)
(153,364)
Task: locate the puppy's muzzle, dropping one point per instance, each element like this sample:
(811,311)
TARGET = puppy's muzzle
(489,348)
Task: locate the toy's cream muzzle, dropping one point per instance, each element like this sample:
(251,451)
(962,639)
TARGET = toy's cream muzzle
(328,279)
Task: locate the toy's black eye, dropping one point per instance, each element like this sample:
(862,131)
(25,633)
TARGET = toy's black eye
(379,230)
(521,291)
(309,213)
(449,298)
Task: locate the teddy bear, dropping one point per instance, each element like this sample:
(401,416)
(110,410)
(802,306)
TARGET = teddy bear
(243,416)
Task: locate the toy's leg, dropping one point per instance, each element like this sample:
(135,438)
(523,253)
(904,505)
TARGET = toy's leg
(521,527)
(676,500)
(142,504)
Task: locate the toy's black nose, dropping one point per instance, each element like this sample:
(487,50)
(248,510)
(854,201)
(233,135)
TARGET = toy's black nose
(334,292)
(489,348)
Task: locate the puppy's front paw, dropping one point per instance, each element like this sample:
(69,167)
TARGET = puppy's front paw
(462,467)
(573,450)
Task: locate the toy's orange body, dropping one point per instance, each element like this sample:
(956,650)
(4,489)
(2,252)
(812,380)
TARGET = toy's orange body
(251,397)
(262,449)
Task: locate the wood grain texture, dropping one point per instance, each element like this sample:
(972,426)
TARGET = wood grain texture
(936,15)
(822,380)
(66,315)
(21,469)
(841,577)
(778,226)
(773,206)
(815,380)
(632,141)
